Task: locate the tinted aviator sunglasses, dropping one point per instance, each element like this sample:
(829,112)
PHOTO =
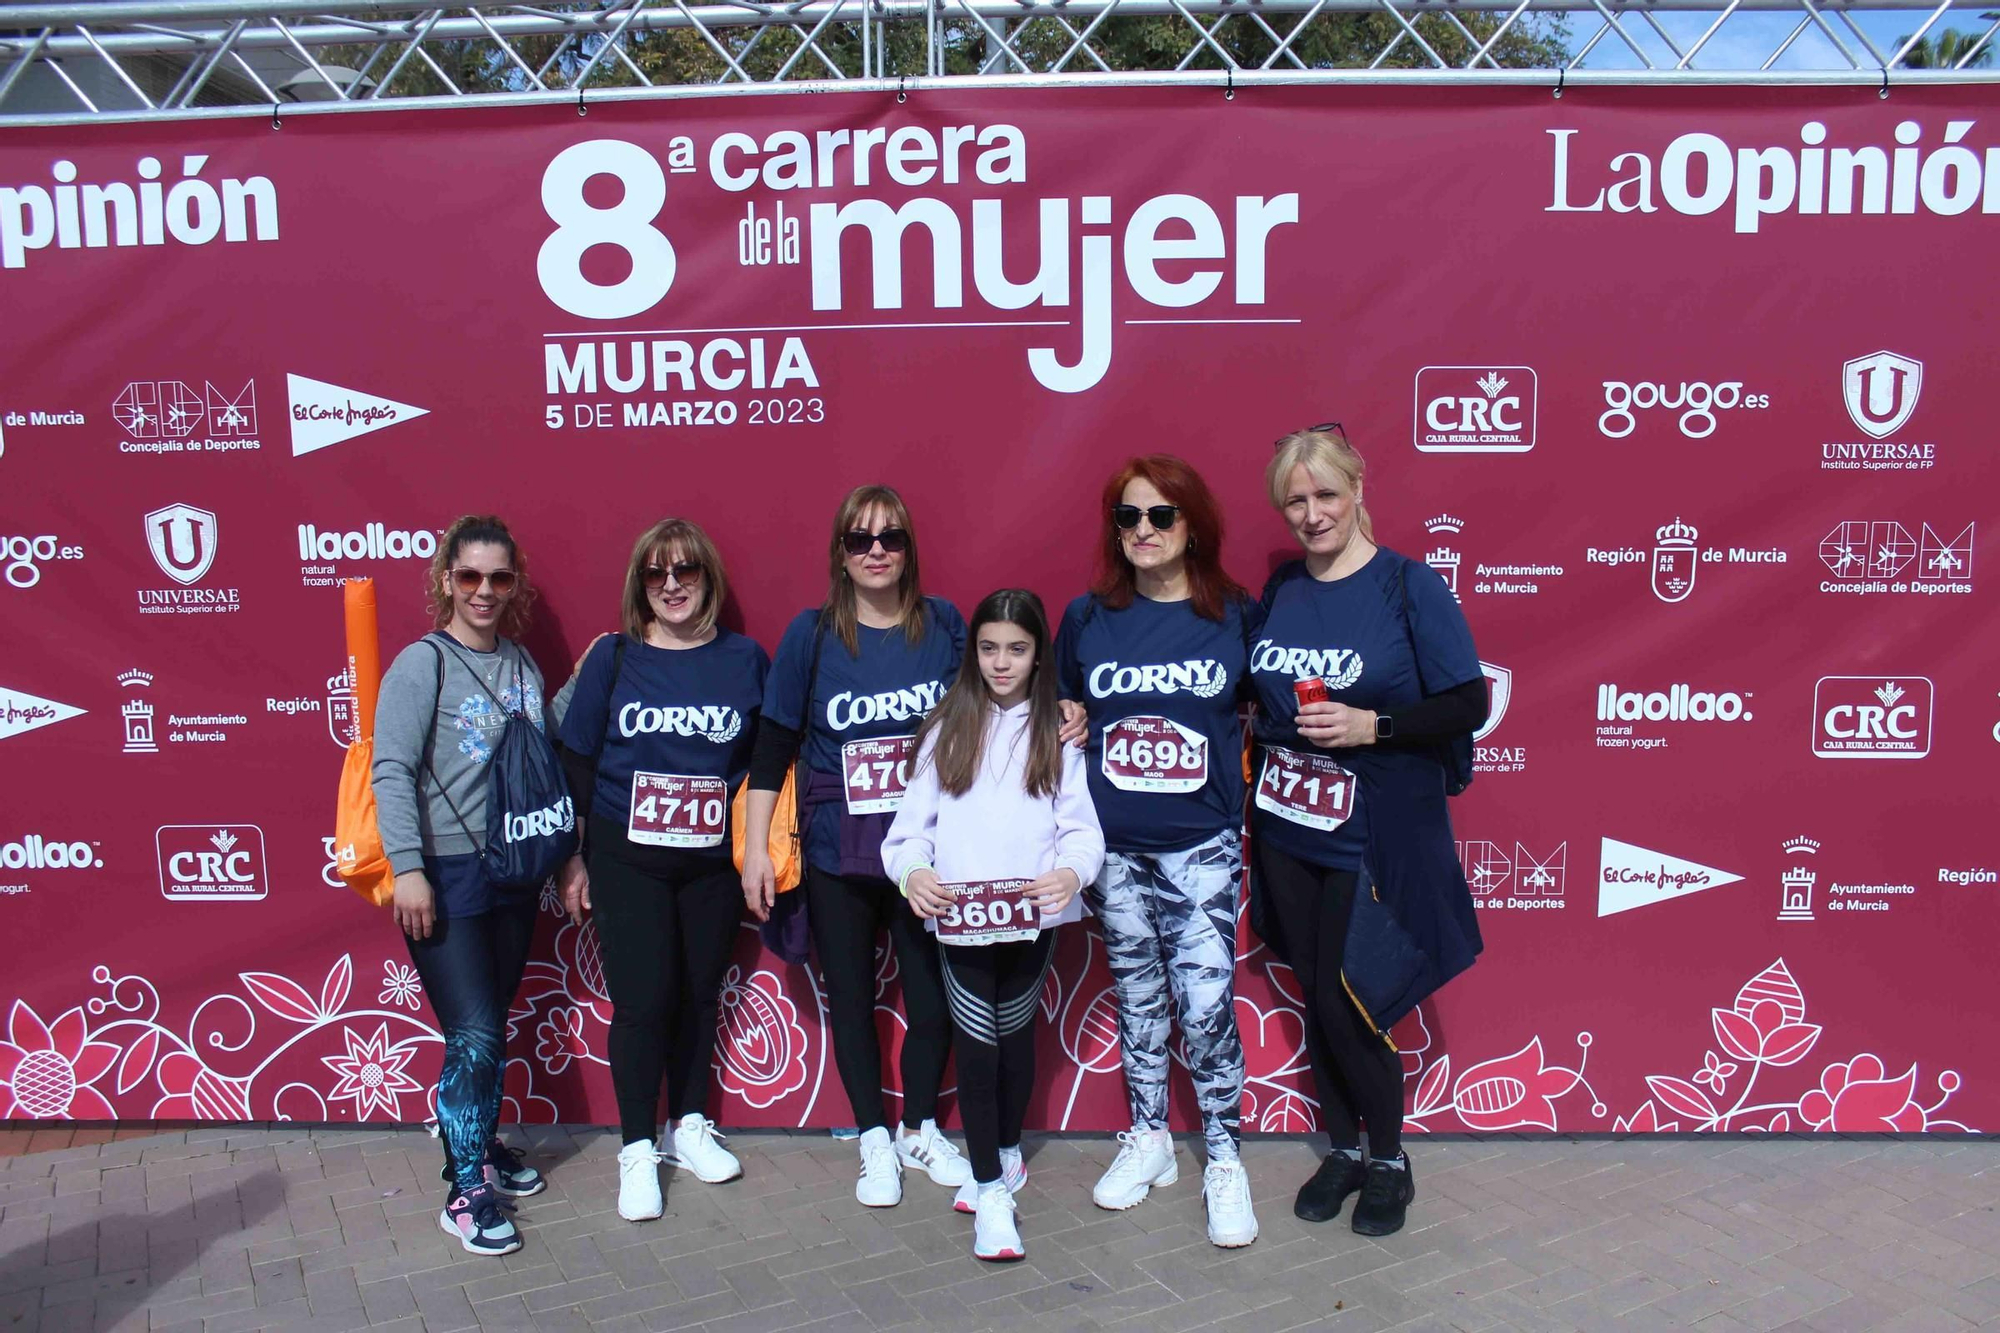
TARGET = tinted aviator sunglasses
(467,580)
(687,573)
(894,541)
(1161,517)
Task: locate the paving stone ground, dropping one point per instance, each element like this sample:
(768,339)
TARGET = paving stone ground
(225,1229)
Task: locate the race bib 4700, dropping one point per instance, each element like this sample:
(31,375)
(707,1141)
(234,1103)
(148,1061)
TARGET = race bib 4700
(1308,789)
(876,773)
(674,810)
(1154,754)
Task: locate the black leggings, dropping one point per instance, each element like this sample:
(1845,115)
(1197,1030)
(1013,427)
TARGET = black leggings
(665,941)
(470,967)
(1357,1073)
(994,990)
(846,911)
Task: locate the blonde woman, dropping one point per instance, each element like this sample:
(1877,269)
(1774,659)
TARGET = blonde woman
(1368,689)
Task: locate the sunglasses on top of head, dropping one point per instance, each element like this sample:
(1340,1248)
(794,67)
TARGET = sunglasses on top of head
(1321,429)
(467,580)
(686,573)
(1161,517)
(894,541)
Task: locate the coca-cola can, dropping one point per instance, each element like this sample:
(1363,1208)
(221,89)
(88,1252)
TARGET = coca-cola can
(1311,690)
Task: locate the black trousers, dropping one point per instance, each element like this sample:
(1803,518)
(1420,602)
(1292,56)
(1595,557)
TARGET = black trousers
(993,990)
(1360,1079)
(666,940)
(847,912)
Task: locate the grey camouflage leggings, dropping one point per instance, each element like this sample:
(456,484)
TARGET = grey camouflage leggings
(1169,922)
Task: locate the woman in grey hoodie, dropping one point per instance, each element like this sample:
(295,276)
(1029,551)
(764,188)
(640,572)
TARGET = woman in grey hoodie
(442,707)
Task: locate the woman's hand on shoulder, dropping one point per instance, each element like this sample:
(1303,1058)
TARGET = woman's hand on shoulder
(1075,728)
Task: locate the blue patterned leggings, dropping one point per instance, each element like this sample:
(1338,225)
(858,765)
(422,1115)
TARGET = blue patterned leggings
(1169,922)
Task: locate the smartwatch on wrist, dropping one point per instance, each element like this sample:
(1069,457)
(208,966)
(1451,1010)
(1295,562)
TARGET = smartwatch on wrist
(1385,726)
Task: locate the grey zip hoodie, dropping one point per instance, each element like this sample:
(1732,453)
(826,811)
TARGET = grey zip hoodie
(414,807)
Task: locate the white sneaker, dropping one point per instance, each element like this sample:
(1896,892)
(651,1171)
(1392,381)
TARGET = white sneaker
(1145,1159)
(995,1238)
(1013,1174)
(930,1151)
(881,1182)
(698,1147)
(1225,1186)
(639,1182)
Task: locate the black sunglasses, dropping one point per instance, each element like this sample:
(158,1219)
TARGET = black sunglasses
(894,541)
(1161,517)
(1320,429)
(686,573)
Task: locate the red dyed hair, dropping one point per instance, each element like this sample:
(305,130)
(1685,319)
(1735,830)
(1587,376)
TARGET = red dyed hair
(1210,584)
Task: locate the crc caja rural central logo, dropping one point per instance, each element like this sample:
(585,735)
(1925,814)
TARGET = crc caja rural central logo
(1872,717)
(212,862)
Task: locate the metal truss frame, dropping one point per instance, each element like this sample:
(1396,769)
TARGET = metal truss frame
(180,58)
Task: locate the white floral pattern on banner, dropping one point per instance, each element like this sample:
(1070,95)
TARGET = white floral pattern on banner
(272,1047)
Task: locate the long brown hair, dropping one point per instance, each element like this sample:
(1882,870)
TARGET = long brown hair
(659,545)
(472,530)
(1209,584)
(959,720)
(840,594)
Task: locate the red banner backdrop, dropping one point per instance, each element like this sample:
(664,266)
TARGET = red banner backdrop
(1686,392)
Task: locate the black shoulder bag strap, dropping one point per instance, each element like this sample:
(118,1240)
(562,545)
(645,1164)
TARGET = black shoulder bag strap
(430,736)
(805,727)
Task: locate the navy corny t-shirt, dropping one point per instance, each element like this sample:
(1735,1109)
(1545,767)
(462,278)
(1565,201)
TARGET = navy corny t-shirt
(1350,633)
(1161,685)
(885,689)
(671,715)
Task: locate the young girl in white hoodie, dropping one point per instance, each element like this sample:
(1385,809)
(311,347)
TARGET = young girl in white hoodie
(994,795)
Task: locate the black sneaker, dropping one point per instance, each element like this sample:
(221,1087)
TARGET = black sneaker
(1385,1198)
(505,1171)
(1320,1198)
(479,1221)
(509,1174)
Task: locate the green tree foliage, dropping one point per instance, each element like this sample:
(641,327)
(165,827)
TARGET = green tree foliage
(1945,50)
(966,46)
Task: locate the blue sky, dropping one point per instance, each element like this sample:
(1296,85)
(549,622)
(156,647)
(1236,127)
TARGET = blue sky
(1747,39)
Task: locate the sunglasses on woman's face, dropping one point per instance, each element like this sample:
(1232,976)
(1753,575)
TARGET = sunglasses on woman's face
(894,541)
(1161,517)
(467,580)
(686,573)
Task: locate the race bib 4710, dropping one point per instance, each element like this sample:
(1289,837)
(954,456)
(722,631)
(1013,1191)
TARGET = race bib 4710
(675,810)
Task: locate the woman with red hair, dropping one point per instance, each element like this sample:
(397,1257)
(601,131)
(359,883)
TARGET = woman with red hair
(1155,659)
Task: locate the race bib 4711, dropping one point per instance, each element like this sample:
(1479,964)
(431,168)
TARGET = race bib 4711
(1308,789)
